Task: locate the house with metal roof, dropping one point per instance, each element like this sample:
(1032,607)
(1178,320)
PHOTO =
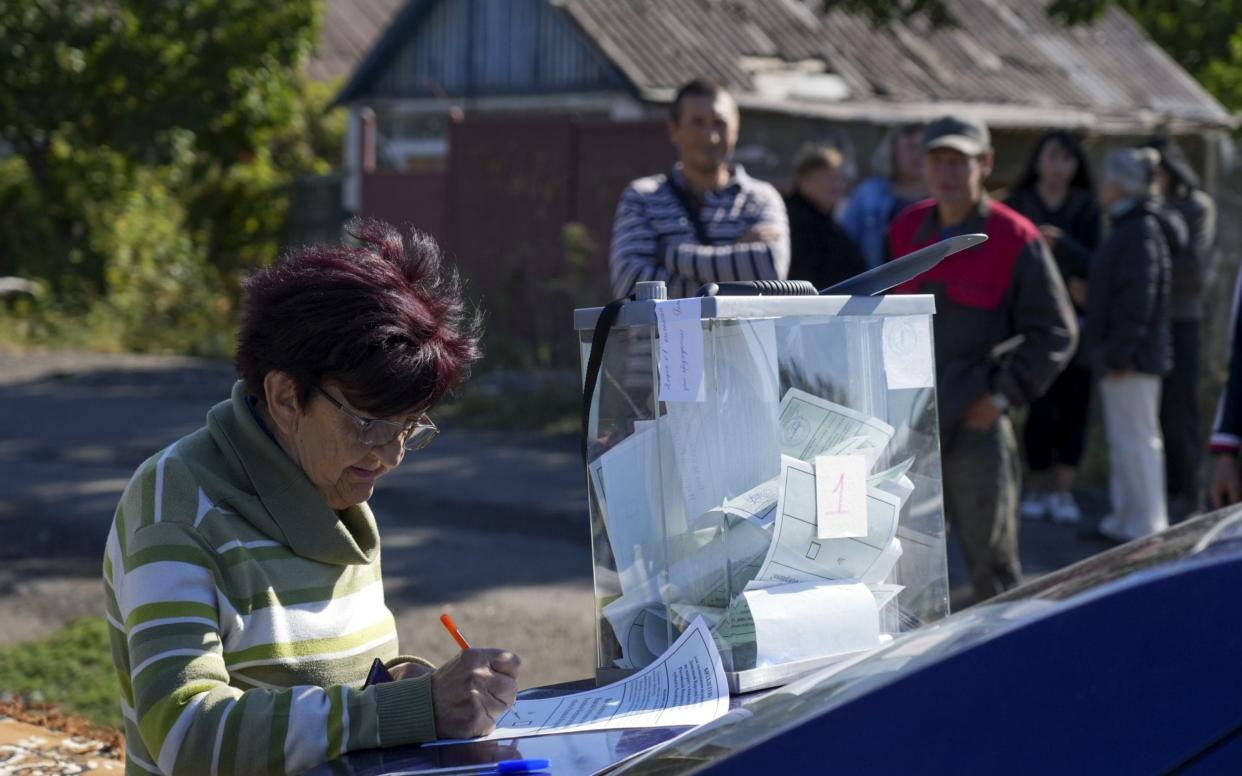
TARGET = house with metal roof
(800,74)
(1006,61)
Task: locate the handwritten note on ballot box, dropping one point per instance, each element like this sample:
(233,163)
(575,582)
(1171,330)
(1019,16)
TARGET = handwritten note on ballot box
(770,468)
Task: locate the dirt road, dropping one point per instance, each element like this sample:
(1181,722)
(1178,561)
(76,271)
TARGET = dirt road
(491,525)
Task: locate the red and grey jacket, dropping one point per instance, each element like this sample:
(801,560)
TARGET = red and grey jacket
(1003,320)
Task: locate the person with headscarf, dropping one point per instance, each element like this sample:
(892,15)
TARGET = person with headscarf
(1127,342)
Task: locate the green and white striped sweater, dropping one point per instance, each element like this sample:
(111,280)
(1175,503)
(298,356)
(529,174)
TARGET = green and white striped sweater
(245,613)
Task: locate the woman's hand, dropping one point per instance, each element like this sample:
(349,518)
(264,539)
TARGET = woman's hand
(472,690)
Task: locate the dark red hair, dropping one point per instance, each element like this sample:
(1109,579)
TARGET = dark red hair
(383,319)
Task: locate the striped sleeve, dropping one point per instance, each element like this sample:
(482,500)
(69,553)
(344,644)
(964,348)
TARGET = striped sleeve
(633,255)
(741,260)
(163,601)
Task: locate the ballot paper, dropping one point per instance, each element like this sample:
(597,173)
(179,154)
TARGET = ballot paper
(713,573)
(687,686)
(708,576)
(628,474)
(798,622)
(797,554)
(729,443)
(812,426)
(884,564)
(630,618)
(758,503)
(891,473)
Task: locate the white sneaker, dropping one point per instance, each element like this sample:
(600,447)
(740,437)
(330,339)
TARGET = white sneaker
(1063,509)
(1111,528)
(1034,506)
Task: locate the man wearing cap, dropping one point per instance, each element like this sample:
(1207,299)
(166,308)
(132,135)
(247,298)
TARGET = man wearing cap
(1191,266)
(1004,329)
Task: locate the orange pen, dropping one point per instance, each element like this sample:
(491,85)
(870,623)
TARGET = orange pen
(451,627)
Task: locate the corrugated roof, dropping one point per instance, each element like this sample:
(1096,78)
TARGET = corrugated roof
(1005,54)
(350,29)
(1007,60)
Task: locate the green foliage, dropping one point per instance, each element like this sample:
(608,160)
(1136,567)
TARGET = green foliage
(1203,36)
(1223,76)
(154,147)
(71,668)
(124,73)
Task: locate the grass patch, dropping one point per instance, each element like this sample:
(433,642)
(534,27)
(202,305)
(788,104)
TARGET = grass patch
(71,669)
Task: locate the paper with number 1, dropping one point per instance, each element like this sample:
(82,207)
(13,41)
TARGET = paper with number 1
(840,496)
(797,554)
(685,687)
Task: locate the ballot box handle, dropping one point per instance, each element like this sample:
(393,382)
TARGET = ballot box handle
(603,325)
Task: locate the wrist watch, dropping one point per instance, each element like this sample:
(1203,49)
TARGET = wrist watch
(1001,401)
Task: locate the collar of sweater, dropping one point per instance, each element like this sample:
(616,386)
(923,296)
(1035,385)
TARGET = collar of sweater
(272,493)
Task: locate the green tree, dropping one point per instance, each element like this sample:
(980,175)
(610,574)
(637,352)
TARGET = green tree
(124,74)
(209,92)
(152,146)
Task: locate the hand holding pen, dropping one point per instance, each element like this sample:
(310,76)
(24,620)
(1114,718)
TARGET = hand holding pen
(473,689)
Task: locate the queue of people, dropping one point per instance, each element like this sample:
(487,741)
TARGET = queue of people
(1075,289)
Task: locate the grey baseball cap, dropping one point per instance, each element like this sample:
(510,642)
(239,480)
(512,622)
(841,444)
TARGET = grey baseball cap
(967,135)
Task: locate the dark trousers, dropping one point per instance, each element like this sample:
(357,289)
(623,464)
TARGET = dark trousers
(1056,423)
(981,484)
(1180,422)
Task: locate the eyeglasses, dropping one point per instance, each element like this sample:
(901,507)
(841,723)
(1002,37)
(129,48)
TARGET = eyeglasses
(374,432)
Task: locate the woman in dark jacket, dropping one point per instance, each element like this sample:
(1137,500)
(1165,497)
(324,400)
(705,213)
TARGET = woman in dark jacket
(1056,193)
(1128,343)
(820,250)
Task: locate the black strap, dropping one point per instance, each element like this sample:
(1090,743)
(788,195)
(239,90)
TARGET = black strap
(595,360)
(692,210)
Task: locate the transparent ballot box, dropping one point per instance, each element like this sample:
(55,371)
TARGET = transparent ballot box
(770,464)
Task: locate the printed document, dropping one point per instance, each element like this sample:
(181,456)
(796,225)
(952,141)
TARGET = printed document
(812,426)
(685,687)
(797,554)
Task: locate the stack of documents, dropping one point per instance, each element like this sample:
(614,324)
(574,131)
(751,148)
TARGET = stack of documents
(764,517)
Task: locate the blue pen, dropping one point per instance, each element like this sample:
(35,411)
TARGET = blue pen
(483,769)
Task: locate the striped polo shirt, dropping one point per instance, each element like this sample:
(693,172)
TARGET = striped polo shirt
(244,613)
(653,239)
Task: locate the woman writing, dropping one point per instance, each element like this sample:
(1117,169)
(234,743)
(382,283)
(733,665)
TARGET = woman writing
(242,571)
